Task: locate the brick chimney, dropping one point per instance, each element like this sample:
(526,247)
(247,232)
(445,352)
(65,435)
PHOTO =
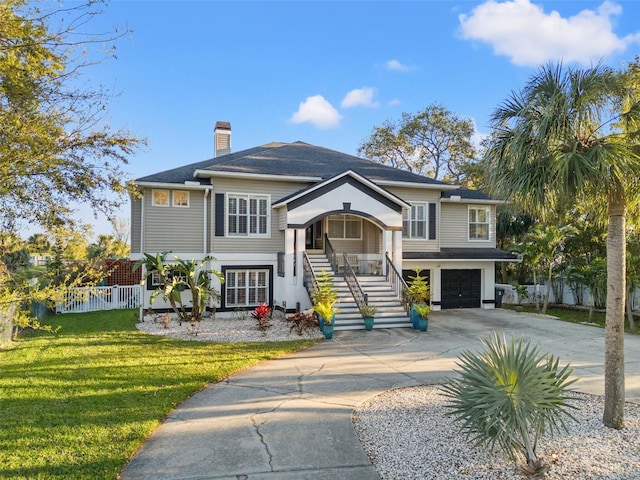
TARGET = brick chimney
(222,138)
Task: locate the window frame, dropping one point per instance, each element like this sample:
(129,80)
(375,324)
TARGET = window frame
(407,219)
(487,223)
(247,287)
(173,198)
(247,215)
(345,217)
(154,203)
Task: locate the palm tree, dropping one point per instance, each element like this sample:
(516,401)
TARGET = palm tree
(571,134)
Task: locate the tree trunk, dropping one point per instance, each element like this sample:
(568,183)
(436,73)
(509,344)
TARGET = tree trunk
(614,327)
(7,313)
(545,305)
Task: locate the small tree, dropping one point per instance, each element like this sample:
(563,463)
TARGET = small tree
(509,395)
(178,277)
(325,290)
(417,290)
(544,246)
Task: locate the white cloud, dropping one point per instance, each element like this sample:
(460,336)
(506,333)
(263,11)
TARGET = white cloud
(395,65)
(317,111)
(529,36)
(394,102)
(359,97)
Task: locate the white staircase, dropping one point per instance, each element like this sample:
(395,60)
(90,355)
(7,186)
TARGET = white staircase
(390,312)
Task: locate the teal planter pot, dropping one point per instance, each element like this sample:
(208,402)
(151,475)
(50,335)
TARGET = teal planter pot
(415,317)
(368,323)
(423,324)
(328,331)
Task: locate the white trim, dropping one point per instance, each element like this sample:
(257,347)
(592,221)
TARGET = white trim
(374,186)
(173,199)
(487,209)
(427,186)
(474,201)
(171,186)
(153,198)
(410,236)
(248,196)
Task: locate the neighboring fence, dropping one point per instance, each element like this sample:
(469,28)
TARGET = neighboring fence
(568,297)
(93,299)
(120,272)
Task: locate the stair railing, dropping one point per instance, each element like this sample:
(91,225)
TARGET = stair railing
(308,275)
(394,277)
(351,279)
(330,253)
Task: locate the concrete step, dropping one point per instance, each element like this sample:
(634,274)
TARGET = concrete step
(390,314)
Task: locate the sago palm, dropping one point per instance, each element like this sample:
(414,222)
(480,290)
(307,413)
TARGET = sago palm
(570,135)
(509,395)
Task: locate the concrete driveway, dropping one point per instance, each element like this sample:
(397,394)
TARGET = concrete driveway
(291,418)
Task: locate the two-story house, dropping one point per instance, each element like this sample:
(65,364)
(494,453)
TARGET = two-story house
(260,212)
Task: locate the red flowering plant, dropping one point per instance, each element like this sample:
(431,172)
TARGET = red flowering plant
(262,313)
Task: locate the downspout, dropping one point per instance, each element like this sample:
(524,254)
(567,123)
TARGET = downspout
(204,229)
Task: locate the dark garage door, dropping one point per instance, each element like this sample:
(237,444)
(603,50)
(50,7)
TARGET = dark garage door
(460,289)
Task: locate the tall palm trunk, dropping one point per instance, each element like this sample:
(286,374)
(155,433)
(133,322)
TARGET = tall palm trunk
(614,328)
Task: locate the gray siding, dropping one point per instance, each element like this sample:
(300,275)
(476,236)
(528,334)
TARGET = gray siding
(136,219)
(177,229)
(455,226)
(272,244)
(412,195)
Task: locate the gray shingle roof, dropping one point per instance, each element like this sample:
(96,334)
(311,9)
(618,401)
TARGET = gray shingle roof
(298,159)
(462,254)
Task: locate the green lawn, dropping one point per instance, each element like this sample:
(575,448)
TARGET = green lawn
(78,404)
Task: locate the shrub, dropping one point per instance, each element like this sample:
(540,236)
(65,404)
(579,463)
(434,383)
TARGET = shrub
(509,395)
(262,314)
(303,321)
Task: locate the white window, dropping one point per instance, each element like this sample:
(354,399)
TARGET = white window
(245,288)
(156,279)
(248,215)
(414,221)
(479,222)
(160,198)
(180,198)
(345,227)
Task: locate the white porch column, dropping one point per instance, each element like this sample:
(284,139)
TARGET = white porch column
(289,293)
(387,246)
(397,249)
(300,242)
(436,286)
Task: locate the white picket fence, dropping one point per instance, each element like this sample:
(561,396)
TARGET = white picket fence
(93,299)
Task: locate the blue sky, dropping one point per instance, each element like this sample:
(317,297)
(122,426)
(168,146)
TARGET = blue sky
(328,72)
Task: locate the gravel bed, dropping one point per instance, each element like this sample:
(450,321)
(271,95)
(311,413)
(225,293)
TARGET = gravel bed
(242,328)
(408,435)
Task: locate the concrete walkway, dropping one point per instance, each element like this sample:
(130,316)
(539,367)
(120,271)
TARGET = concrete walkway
(291,418)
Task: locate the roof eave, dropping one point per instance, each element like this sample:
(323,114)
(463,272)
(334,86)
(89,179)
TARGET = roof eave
(487,201)
(429,186)
(181,186)
(261,176)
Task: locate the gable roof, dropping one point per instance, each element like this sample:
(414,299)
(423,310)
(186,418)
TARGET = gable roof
(297,160)
(325,185)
